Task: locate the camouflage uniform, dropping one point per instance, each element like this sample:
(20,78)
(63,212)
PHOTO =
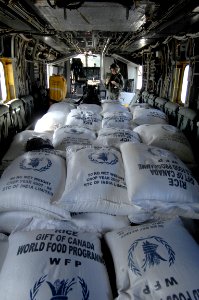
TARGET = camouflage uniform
(113,90)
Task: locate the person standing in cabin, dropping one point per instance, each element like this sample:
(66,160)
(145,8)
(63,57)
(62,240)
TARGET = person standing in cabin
(114,83)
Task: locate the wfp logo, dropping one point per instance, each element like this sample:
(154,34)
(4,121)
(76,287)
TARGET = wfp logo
(107,158)
(36,164)
(150,249)
(60,289)
(158,152)
(161,153)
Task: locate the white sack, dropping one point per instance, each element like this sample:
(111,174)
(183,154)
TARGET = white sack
(54,264)
(98,222)
(83,118)
(126,98)
(34,182)
(136,98)
(50,121)
(90,107)
(9,220)
(149,116)
(155,261)
(112,106)
(71,135)
(158,182)
(133,106)
(95,181)
(61,107)
(113,137)
(103,101)
(117,120)
(167,137)
(18,145)
(59,153)
(3,248)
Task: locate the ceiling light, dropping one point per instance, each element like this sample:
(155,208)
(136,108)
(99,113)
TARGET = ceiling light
(143,41)
(196,9)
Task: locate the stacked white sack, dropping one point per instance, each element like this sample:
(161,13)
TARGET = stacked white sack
(9,220)
(149,116)
(113,137)
(83,118)
(99,222)
(61,107)
(156,261)
(130,98)
(70,135)
(95,181)
(158,183)
(51,121)
(90,107)
(18,145)
(54,264)
(110,106)
(117,119)
(135,105)
(167,137)
(3,248)
(34,182)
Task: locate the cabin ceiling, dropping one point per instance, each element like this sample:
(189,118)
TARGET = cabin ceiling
(112,27)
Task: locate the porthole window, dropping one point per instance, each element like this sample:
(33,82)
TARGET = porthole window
(184,84)
(3,92)
(139,78)
(49,73)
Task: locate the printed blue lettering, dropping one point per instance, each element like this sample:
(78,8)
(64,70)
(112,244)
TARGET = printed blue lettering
(177,183)
(196,294)
(67,261)
(182,296)
(146,290)
(170,281)
(77,263)
(157,286)
(54,261)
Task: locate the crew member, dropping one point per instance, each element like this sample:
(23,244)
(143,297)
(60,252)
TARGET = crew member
(115,83)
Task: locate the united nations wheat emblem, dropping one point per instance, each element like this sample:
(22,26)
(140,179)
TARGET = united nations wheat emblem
(60,289)
(151,254)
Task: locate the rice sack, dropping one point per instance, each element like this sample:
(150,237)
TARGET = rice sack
(54,264)
(90,107)
(156,261)
(149,116)
(18,145)
(113,137)
(135,105)
(95,181)
(117,120)
(110,106)
(158,182)
(71,135)
(9,220)
(61,107)
(99,222)
(34,182)
(83,118)
(51,121)
(167,137)
(3,248)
